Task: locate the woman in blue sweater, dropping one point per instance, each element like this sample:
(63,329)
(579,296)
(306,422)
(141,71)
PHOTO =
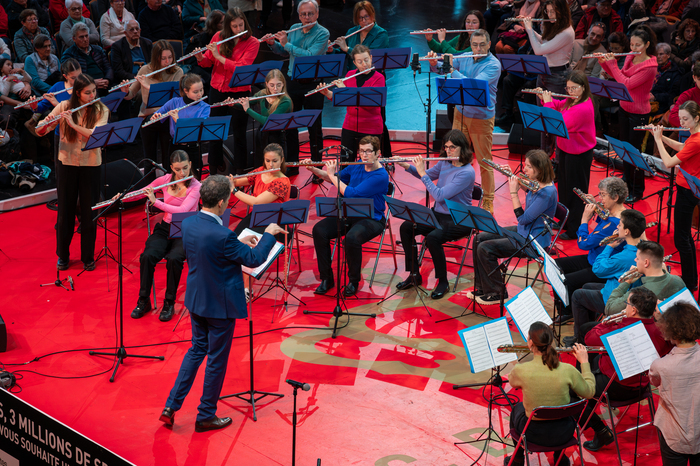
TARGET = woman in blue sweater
(456,183)
(489,247)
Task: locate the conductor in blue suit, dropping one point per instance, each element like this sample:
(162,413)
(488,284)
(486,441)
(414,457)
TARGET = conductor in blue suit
(215,298)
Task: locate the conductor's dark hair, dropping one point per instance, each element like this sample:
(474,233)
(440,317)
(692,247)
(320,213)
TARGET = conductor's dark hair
(214,189)
(680,323)
(179,156)
(542,337)
(458,138)
(634,221)
(644,300)
(653,250)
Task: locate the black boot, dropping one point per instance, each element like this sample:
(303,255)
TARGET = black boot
(142,307)
(601,439)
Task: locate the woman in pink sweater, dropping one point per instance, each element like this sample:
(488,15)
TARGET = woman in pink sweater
(360,121)
(638,76)
(576,153)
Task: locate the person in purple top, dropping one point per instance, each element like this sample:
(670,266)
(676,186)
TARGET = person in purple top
(455,181)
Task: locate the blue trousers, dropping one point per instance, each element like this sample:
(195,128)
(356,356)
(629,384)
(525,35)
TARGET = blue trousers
(211,338)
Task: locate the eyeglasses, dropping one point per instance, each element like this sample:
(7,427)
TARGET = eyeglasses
(32,20)
(307,15)
(365,152)
(77,8)
(365,17)
(627,303)
(451,147)
(572,88)
(603,194)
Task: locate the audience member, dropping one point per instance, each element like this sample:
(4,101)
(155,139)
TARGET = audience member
(669,7)
(24,38)
(16,7)
(92,59)
(160,21)
(195,13)
(593,43)
(74,17)
(59,13)
(602,13)
(130,52)
(3,26)
(113,23)
(42,65)
(667,82)
(687,41)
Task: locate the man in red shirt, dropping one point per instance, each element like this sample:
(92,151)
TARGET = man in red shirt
(603,13)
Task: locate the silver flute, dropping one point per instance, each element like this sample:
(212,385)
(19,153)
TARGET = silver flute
(535,91)
(664,128)
(449,31)
(356,32)
(139,192)
(49,121)
(333,84)
(464,55)
(166,115)
(599,54)
(534,20)
(222,104)
(38,99)
(296,29)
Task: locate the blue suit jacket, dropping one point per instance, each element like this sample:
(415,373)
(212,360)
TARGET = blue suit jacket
(214,256)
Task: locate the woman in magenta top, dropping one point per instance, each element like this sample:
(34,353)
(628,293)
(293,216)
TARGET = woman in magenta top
(575,154)
(638,76)
(360,121)
(225,58)
(179,197)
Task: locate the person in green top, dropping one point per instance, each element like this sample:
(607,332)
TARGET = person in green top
(274,84)
(458,44)
(545,381)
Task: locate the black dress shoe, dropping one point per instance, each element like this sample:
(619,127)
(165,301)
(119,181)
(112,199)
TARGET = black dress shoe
(350,289)
(142,307)
(565,236)
(440,290)
(216,423)
(601,439)
(409,283)
(324,287)
(90,266)
(61,264)
(167,312)
(168,416)
(631,199)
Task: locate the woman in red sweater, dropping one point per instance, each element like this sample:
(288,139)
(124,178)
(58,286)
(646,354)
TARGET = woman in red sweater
(225,58)
(638,76)
(575,154)
(360,121)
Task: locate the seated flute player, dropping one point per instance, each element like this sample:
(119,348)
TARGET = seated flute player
(640,306)
(455,181)
(589,302)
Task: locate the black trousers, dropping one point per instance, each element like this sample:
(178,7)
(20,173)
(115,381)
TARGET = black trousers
(151,135)
(577,272)
(351,140)
(358,232)
(574,172)
(433,239)
(296,92)
(545,433)
(77,183)
(160,246)
(672,458)
(239,125)
(633,176)
(683,235)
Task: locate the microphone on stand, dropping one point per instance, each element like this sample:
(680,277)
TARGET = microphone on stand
(158,166)
(446,65)
(415,64)
(548,222)
(304,386)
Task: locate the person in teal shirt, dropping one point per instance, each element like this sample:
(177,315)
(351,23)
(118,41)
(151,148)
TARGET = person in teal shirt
(458,44)
(374,37)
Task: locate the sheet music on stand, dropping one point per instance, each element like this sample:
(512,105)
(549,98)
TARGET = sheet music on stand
(683,296)
(630,349)
(482,342)
(525,308)
(553,274)
(259,270)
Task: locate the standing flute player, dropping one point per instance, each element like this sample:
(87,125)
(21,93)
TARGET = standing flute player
(214,297)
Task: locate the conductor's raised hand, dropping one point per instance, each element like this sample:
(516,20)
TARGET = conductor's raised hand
(275,229)
(580,353)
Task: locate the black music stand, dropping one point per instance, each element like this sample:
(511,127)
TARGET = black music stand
(120,353)
(253,74)
(318,66)
(391,59)
(524,65)
(198,130)
(609,89)
(293,213)
(417,215)
(160,93)
(112,134)
(342,208)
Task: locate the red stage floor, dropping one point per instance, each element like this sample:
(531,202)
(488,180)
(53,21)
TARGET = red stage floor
(381,392)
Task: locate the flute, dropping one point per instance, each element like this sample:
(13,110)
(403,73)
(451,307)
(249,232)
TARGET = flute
(449,31)
(48,121)
(634,274)
(535,91)
(166,115)
(614,318)
(664,128)
(139,192)
(321,164)
(524,181)
(358,31)
(602,212)
(222,104)
(129,83)
(38,99)
(558,349)
(262,39)
(333,84)
(612,238)
(597,55)
(464,55)
(534,20)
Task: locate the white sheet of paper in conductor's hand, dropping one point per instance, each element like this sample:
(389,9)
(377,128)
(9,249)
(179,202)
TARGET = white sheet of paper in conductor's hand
(256,272)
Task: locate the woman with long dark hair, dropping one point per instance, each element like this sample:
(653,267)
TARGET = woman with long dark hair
(460,43)
(225,58)
(177,198)
(455,181)
(575,153)
(545,381)
(638,76)
(79,170)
